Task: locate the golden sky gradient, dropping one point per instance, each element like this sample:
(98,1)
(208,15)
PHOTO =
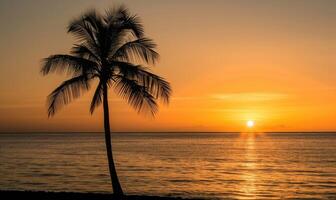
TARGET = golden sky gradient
(228,61)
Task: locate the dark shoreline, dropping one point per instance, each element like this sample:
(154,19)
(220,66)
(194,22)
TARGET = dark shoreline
(42,195)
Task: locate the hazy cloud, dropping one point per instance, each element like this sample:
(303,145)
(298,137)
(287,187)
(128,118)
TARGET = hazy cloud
(250,96)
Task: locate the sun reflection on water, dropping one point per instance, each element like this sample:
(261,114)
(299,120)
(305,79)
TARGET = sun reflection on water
(248,189)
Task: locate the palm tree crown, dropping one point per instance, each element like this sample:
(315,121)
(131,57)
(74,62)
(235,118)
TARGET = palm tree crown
(106,50)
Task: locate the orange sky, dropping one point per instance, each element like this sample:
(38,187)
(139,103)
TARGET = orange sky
(228,61)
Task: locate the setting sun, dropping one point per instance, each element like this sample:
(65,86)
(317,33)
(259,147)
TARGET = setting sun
(250,123)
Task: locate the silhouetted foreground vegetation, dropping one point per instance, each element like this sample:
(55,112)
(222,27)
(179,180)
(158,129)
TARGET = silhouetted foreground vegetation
(39,195)
(109,49)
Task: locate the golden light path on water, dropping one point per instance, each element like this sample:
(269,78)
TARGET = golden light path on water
(250,156)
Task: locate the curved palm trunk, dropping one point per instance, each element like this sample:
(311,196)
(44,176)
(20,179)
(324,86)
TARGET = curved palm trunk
(117,190)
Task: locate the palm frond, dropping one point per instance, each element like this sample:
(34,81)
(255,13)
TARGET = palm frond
(97,97)
(86,27)
(156,85)
(87,51)
(119,18)
(133,23)
(115,14)
(66,92)
(136,95)
(67,63)
(142,49)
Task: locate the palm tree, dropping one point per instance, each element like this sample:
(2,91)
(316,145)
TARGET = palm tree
(107,47)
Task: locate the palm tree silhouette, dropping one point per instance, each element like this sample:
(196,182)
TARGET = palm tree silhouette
(107,46)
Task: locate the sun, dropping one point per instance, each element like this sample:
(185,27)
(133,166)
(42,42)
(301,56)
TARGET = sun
(250,123)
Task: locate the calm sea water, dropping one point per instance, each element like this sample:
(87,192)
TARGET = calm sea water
(209,165)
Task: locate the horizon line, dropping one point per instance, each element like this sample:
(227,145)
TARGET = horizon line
(40,132)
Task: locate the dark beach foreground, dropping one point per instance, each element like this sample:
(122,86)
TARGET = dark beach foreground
(40,195)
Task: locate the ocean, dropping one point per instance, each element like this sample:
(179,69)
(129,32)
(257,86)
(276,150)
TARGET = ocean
(205,165)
